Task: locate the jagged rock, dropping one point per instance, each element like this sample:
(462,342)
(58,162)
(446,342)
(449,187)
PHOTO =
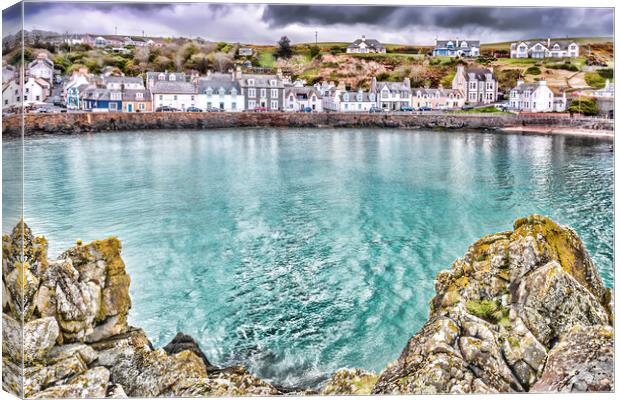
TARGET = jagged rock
(91,383)
(182,342)
(499,310)
(350,381)
(32,341)
(583,361)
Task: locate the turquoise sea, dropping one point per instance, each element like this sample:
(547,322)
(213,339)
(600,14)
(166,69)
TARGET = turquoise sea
(297,252)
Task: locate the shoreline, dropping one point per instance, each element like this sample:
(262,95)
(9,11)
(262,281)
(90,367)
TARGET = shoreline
(561,131)
(81,123)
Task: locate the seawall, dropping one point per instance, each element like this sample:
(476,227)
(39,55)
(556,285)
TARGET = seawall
(76,123)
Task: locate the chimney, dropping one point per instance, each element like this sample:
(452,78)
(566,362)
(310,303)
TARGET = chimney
(520,82)
(373,84)
(460,68)
(457,42)
(279,73)
(407,82)
(238,72)
(208,73)
(542,82)
(363,38)
(548,42)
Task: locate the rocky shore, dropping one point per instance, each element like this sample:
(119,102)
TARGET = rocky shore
(523,310)
(84,122)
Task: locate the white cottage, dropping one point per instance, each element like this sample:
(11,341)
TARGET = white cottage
(533,97)
(544,49)
(341,100)
(41,67)
(221,91)
(179,95)
(302,98)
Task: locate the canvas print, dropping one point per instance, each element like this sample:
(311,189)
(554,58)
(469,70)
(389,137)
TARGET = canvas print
(223,199)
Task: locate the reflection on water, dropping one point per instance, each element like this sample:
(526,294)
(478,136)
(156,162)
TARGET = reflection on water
(301,251)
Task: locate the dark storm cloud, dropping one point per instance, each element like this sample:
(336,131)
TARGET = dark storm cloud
(526,20)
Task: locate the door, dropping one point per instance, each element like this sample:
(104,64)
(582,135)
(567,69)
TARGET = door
(129,107)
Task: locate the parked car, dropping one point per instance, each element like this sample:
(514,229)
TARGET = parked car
(425,109)
(214,109)
(375,110)
(261,109)
(58,102)
(406,108)
(307,109)
(166,109)
(193,109)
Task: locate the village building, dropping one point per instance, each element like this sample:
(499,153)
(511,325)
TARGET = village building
(134,41)
(102,100)
(544,49)
(457,48)
(262,91)
(605,92)
(11,94)
(437,99)
(176,94)
(364,46)
(324,88)
(303,98)
(342,100)
(392,96)
(8,72)
(245,51)
(478,84)
(41,67)
(220,91)
(532,97)
(137,100)
(36,90)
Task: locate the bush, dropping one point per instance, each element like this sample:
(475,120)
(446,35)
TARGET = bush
(565,66)
(314,51)
(532,71)
(583,105)
(594,80)
(489,310)
(606,73)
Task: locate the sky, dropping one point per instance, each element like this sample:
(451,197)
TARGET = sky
(265,24)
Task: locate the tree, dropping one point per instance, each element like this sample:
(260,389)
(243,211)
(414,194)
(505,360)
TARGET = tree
(314,51)
(284,48)
(583,105)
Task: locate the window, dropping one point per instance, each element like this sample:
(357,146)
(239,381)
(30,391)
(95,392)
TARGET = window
(263,92)
(273,82)
(141,106)
(161,97)
(251,82)
(222,92)
(371,97)
(112,106)
(6,102)
(175,97)
(38,98)
(346,106)
(345,97)
(472,85)
(192,98)
(27,90)
(274,93)
(251,92)
(139,95)
(172,77)
(208,104)
(233,92)
(274,105)
(25,98)
(359,97)
(385,94)
(233,106)
(251,104)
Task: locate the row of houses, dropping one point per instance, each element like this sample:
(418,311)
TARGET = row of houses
(471,48)
(37,83)
(238,91)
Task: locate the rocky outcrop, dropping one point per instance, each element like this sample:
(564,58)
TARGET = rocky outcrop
(76,341)
(505,317)
(76,123)
(523,310)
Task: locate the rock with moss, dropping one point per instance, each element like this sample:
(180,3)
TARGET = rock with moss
(499,314)
(350,382)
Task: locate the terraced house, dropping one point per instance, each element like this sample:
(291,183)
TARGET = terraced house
(220,91)
(303,98)
(262,91)
(179,95)
(137,100)
(392,96)
(437,99)
(544,49)
(478,84)
(342,100)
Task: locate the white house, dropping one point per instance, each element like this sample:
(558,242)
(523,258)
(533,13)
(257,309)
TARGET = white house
(457,48)
(11,94)
(301,98)
(155,76)
(175,94)
(8,72)
(478,84)
(392,95)
(324,88)
(221,91)
(605,92)
(41,67)
(542,49)
(532,97)
(364,46)
(36,90)
(437,99)
(341,100)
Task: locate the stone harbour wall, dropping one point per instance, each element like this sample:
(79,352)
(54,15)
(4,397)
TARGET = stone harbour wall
(83,122)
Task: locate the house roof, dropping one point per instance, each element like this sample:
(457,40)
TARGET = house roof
(563,44)
(369,42)
(123,79)
(154,75)
(478,74)
(175,87)
(131,95)
(526,87)
(393,86)
(262,80)
(216,81)
(443,92)
(97,94)
(304,90)
(353,96)
(444,43)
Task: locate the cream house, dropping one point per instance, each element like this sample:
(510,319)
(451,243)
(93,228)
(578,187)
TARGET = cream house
(437,99)
(478,84)
(392,95)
